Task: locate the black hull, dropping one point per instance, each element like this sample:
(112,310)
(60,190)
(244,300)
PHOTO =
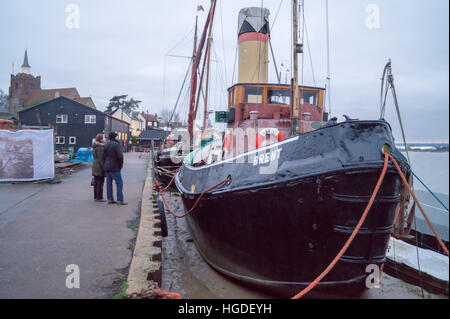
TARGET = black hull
(281,230)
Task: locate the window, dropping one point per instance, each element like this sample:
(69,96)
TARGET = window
(73,140)
(60,140)
(90,119)
(282,97)
(253,95)
(61,118)
(309,98)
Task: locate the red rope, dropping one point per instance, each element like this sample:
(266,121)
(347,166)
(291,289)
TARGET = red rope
(352,236)
(418,204)
(171,181)
(196,202)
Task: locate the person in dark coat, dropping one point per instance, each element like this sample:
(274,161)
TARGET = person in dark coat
(113,166)
(97,167)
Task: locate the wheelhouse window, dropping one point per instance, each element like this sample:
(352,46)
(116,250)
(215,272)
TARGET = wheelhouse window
(309,98)
(282,97)
(90,119)
(253,95)
(60,140)
(61,118)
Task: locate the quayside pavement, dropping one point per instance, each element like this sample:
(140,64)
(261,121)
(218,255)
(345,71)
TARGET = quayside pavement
(44,228)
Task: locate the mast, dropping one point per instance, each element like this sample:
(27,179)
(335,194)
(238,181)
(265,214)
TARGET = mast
(195,64)
(208,57)
(208,61)
(294,81)
(195,36)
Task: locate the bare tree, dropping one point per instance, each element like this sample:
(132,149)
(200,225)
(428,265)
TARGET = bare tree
(3,101)
(166,114)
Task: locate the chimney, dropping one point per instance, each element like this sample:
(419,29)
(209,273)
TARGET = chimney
(253,38)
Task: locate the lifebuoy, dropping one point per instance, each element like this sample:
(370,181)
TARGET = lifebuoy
(227,142)
(273,131)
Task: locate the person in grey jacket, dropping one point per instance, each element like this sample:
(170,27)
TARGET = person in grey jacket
(97,167)
(113,166)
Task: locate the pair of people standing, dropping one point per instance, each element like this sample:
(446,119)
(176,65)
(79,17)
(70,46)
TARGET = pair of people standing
(108,161)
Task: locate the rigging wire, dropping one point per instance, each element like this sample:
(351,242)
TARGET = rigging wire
(387,73)
(276,15)
(165,63)
(258,65)
(260,43)
(301,8)
(328,82)
(234,66)
(310,55)
(179,94)
(181,41)
(221,74)
(164,83)
(223,41)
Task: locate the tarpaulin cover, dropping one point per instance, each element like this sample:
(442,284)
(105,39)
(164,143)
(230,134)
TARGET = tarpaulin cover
(26,155)
(256,17)
(84,155)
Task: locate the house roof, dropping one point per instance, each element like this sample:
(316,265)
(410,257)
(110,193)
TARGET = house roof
(153,134)
(150,117)
(86,101)
(134,115)
(40,96)
(62,98)
(115,118)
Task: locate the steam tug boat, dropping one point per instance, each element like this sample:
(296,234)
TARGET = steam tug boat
(292,199)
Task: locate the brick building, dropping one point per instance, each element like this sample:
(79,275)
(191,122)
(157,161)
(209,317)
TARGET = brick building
(25,91)
(22,84)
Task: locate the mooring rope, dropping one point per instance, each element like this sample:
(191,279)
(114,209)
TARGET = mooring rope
(387,156)
(352,236)
(161,192)
(418,203)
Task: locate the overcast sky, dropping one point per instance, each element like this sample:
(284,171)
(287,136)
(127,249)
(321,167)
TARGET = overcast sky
(122,47)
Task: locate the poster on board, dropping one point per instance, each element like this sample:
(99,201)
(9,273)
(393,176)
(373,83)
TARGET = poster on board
(26,155)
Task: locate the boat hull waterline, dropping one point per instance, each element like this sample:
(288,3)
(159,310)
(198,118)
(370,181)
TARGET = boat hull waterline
(281,229)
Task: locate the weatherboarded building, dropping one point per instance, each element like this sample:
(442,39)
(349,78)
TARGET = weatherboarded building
(150,135)
(75,124)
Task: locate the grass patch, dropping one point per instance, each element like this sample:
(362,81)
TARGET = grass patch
(134,226)
(123,291)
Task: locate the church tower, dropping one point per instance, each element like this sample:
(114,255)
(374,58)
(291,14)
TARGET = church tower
(26,66)
(21,86)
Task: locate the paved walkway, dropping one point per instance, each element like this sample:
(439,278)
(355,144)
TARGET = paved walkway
(44,228)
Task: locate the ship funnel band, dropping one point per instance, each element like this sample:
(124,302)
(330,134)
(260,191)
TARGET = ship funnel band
(253,19)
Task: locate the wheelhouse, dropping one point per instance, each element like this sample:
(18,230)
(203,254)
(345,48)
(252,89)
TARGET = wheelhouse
(273,101)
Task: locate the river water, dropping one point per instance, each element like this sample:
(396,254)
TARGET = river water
(433,169)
